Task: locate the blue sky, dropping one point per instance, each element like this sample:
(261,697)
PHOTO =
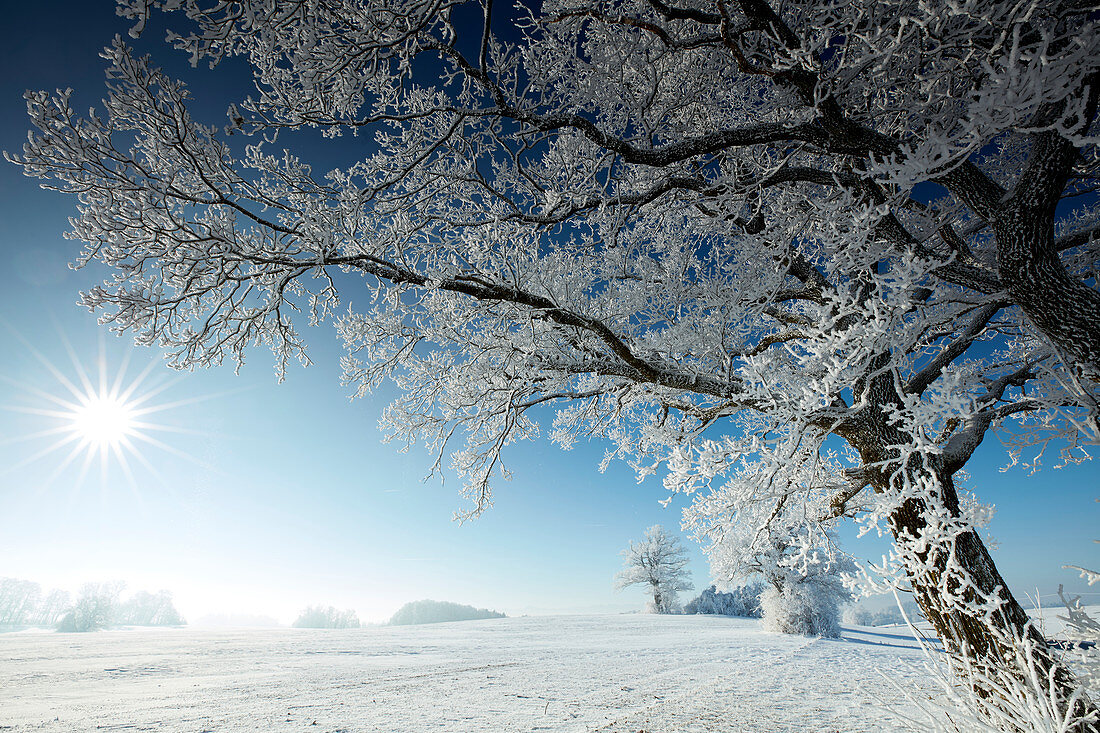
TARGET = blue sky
(274,496)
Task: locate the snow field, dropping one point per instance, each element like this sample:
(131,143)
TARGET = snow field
(615,674)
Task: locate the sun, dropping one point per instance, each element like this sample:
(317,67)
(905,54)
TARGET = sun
(96,414)
(104,420)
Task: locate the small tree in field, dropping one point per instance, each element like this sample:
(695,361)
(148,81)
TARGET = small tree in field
(660,562)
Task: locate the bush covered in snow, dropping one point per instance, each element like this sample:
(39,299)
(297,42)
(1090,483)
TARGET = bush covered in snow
(782,543)
(322,617)
(810,607)
(434,612)
(742,600)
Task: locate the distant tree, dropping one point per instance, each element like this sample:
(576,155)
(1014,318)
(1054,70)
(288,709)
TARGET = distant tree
(52,608)
(95,608)
(148,609)
(326,617)
(434,612)
(18,601)
(742,600)
(659,562)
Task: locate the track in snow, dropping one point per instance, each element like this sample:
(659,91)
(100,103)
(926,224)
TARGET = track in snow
(614,674)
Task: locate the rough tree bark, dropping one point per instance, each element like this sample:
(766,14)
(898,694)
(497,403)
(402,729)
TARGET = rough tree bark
(950,606)
(1064,309)
(956,584)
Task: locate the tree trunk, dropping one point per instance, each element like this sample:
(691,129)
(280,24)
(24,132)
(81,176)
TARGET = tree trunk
(953,577)
(966,600)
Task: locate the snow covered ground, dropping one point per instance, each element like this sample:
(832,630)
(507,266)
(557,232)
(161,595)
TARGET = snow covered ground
(620,674)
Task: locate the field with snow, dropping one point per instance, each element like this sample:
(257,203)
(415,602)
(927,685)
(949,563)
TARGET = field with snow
(624,673)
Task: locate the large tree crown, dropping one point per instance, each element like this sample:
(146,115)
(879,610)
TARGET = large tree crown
(659,220)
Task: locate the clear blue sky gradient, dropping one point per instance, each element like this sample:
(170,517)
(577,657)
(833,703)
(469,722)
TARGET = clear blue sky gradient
(274,496)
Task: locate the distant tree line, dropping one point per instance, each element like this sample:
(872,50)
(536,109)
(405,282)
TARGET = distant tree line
(97,606)
(23,603)
(149,609)
(885,617)
(326,617)
(434,612)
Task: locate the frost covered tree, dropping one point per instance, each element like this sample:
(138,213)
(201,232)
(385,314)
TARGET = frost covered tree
(18,601)
(710,232)
(658,562)
(23,603)
(51,608)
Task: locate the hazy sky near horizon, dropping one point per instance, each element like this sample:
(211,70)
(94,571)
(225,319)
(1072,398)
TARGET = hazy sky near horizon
(264,498)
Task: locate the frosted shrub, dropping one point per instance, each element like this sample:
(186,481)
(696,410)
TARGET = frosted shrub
(811,608)
(739,601)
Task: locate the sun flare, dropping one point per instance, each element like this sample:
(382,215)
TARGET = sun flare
(103,419)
